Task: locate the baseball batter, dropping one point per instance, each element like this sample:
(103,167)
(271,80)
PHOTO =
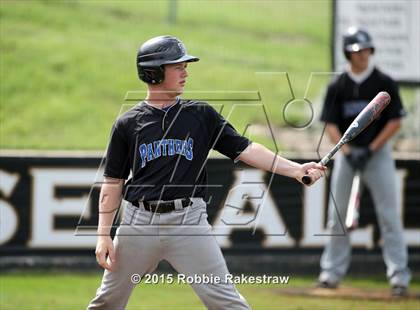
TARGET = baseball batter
(370,153)
(164,142)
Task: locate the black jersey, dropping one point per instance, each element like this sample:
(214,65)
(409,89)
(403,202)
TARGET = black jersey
(345,99)
(166,151)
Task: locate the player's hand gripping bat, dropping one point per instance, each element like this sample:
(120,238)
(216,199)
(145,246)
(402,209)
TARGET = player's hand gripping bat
(365,117)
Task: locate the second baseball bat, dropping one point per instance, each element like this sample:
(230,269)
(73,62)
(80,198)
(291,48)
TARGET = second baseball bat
(365,117)
(352,215)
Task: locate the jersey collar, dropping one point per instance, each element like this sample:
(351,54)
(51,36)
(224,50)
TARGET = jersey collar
(361,77)
(153,108)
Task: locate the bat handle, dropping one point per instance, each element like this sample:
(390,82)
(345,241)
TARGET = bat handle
(306,179)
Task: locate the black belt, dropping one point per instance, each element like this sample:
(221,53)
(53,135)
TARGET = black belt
(162,206)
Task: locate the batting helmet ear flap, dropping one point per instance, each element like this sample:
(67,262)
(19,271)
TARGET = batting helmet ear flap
(151,75)
(347,55)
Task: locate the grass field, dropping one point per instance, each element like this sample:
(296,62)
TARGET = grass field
(73,291)
(66,66)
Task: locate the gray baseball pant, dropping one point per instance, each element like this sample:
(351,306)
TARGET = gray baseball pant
(379,177)
(184,239)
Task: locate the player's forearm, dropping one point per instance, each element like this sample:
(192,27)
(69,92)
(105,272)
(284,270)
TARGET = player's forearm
(389,130)
(335,135)
(109,202)
(258,156)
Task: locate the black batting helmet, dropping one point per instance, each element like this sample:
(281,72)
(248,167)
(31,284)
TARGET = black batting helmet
(159,51)
(356,40)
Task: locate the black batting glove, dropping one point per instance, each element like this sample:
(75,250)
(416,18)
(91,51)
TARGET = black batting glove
(358,157)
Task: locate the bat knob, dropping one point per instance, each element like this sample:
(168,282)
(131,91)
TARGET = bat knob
(306,179)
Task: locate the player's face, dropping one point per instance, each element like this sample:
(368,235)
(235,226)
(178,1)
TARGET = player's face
(360,60)
(175,78)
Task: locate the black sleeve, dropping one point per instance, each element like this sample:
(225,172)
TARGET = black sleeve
(117,163)
(395,108)
(225,138)
(331,109)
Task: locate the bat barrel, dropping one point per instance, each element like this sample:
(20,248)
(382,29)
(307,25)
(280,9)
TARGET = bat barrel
(367,115)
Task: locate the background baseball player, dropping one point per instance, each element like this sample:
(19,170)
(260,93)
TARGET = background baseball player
(370,152)
(164,142)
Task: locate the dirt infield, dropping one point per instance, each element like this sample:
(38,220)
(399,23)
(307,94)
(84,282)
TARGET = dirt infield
(348,293)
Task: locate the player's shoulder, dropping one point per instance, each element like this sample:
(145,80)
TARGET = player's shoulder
(194,104)
(202,111)
(197,106)
(380,75)
(130,115)
(337,79)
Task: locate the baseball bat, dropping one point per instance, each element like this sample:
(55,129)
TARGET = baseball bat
(353,207)
(365,117)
